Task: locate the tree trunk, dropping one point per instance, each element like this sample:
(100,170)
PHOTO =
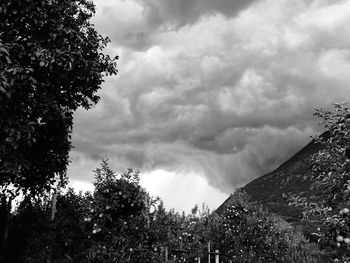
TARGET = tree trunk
(53,205)
(53,212)
(5,209)
(7,224)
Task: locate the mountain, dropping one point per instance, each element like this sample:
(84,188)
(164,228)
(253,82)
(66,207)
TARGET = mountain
(290,178)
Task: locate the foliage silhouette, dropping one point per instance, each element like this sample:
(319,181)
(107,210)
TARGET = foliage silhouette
(51,63)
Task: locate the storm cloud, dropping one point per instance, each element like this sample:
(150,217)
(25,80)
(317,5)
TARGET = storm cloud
(135,23)
(224,89)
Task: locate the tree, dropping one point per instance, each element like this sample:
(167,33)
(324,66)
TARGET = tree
(34,237)
(242,232)
(120,219)
(51,63)
(331,175)
(246,234)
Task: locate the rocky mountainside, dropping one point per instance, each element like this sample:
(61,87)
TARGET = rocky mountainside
(291,178)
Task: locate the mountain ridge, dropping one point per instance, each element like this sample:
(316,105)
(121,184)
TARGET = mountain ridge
(292,177)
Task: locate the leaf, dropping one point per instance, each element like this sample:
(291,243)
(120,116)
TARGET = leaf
(18,135)
(33,79)
(4,50)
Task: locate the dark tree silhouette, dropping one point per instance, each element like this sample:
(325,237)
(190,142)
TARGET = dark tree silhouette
(51,63)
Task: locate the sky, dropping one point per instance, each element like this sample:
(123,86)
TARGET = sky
(210,94)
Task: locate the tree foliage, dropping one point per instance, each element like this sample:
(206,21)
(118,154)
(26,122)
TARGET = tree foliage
(120,222)
(331,175)
(51,63)
(242,233)
(119,218)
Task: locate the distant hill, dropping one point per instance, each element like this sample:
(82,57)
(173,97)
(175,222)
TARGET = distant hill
(291,178)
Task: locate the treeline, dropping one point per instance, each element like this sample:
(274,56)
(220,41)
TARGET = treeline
(121,222)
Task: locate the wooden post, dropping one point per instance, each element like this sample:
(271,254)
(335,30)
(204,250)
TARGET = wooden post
(8,215)
(53,204)
(217,256)
(209,252)
(53,213)
(166,254)
(7,206)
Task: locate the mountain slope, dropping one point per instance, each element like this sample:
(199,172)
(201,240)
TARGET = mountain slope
(291,178)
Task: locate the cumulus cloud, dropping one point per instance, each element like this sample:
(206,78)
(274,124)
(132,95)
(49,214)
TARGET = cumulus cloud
(224,89)
(183,12)
(135,23)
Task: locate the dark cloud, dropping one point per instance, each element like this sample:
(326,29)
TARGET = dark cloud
(228,97)
(178,13)
(136,23)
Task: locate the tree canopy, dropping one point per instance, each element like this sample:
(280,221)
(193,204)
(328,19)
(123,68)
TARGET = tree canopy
(331,180)
(121,222)
(51,63)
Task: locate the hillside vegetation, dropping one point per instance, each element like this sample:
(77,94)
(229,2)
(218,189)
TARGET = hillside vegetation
(120,222)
